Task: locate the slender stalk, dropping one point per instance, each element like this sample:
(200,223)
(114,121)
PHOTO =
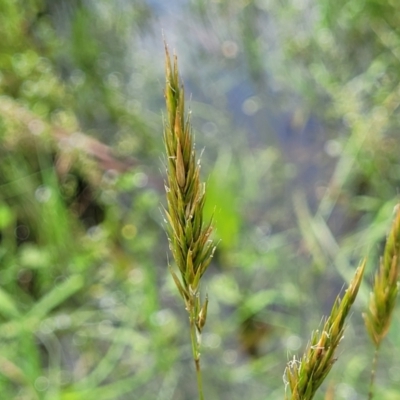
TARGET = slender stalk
(189,237)
(196,355)
(373,373)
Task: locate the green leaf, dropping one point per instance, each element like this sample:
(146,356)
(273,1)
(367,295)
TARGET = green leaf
(8,307)
(57,296)
(6,216)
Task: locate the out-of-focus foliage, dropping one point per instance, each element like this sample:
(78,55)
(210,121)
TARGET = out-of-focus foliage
(73,257)
(295,104)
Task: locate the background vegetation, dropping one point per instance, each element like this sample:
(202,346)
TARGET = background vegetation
(296,106)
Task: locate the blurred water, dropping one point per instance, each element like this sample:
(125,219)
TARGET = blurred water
(261,111)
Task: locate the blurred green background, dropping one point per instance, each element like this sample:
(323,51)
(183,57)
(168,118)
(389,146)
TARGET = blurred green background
(295,104)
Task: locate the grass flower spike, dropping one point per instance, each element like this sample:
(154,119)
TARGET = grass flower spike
(383,296)
(189,237)
(306,375)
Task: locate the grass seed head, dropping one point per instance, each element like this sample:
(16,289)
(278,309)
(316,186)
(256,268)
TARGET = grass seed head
(189,238)
(306,375)
(383,296)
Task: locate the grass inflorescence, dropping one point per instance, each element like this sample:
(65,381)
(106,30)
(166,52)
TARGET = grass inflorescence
(306,375)
(189,237)
(384,293)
